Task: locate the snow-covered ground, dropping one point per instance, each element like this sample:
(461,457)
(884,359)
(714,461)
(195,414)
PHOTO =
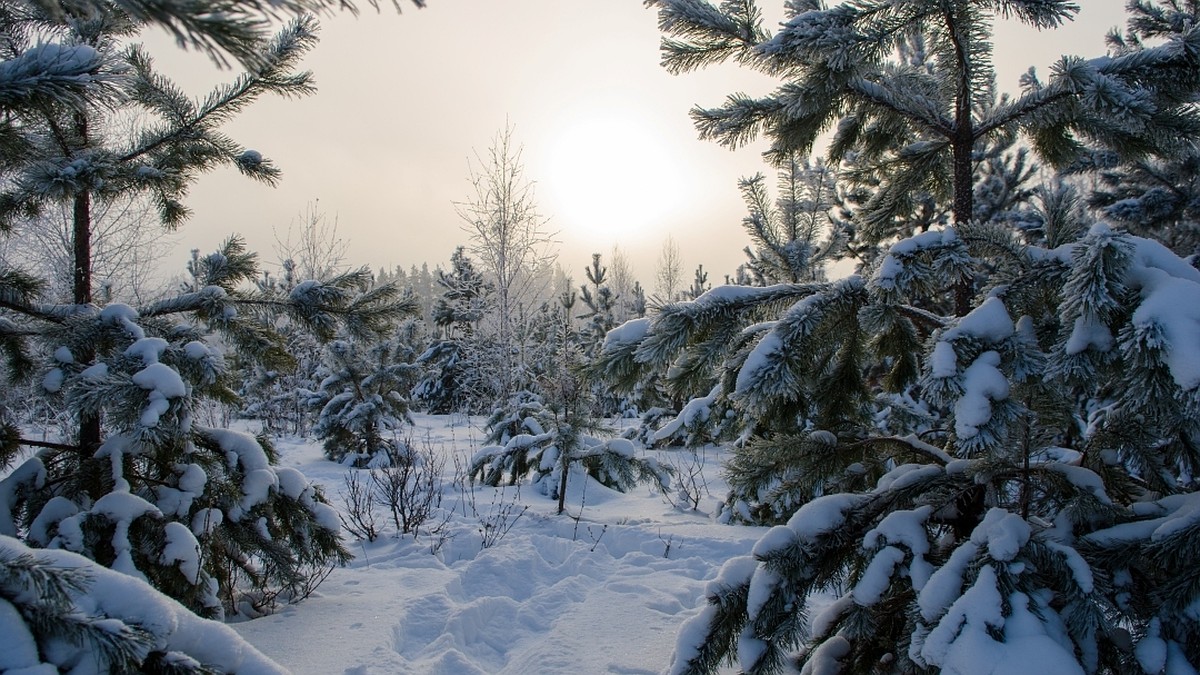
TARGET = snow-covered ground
(602,588)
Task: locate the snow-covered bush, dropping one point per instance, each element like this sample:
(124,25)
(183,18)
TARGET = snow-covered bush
(362,401)
(524,413)
(613,462)
(547,439)
(61,612)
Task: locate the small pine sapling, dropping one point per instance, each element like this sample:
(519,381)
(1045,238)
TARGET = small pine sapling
(362,404)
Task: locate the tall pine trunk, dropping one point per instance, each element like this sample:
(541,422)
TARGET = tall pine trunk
(962,142)
(89,425)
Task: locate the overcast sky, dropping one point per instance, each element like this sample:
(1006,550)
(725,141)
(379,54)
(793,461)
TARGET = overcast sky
(405,99)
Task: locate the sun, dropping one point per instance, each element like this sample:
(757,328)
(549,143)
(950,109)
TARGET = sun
(610,178)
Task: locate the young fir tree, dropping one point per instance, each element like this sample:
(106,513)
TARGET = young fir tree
(1003,482)
(699,284)
(203,514)
(550,434)
(453,381)
(600,304)
(787,232)
(278,397)
(362,397)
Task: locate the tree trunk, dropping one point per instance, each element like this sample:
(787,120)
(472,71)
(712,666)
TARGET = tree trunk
(89,425)
(962,143)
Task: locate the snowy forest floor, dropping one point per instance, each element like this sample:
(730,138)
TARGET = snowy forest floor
(602,588)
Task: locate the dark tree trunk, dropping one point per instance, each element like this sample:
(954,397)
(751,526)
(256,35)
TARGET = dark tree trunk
(89,425)
(962,143)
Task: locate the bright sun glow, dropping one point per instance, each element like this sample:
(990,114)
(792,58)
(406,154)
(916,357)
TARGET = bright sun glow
(611,179)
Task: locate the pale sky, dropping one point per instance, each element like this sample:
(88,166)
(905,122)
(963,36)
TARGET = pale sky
(405,99)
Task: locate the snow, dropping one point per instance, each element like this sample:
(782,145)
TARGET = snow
(95,372)
(124,316)
(906,528)
(183,548)
(162,383)
(695,411)
(1003,534)
(823,514)
(52,60)
(944,362)
(53,381)
(148,349)
(877,577)
(608,594)
(1088,334)
(891,270)
(982,383)
(33,473)
(989,322)
(196,350)
(963,629)
(761,359)
(1169,304)
(627,333)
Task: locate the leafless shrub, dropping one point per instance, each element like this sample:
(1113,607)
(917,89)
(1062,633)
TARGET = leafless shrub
(360,518)
(411,490)
(689,486)
(502,515)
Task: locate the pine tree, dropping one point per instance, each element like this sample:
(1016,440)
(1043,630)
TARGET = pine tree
(203,514)
(59,610)
(278,397)
(456,368)
(547,436)
(362,399)
(997,482)
(600,302)
(909,91)
(787,232)
(699,284)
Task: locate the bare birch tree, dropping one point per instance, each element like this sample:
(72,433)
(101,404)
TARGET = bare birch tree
(621,280)
(669,275)
(509,238)
(312,245)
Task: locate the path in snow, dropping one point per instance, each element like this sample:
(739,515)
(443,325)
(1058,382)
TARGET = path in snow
(551,597)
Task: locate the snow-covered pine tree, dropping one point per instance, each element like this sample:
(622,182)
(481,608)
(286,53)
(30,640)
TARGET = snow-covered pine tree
(278,398)
(908,89)
(456,370)
(794,236)
(635,304)
(799,232)
(1157,198)
(1002,482)
(1150,196)
(362,398)
(699,284)
(60,611)
(600,304)
(203,514)
(549,436)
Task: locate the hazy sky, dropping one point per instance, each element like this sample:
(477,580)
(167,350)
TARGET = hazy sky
(405,99)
